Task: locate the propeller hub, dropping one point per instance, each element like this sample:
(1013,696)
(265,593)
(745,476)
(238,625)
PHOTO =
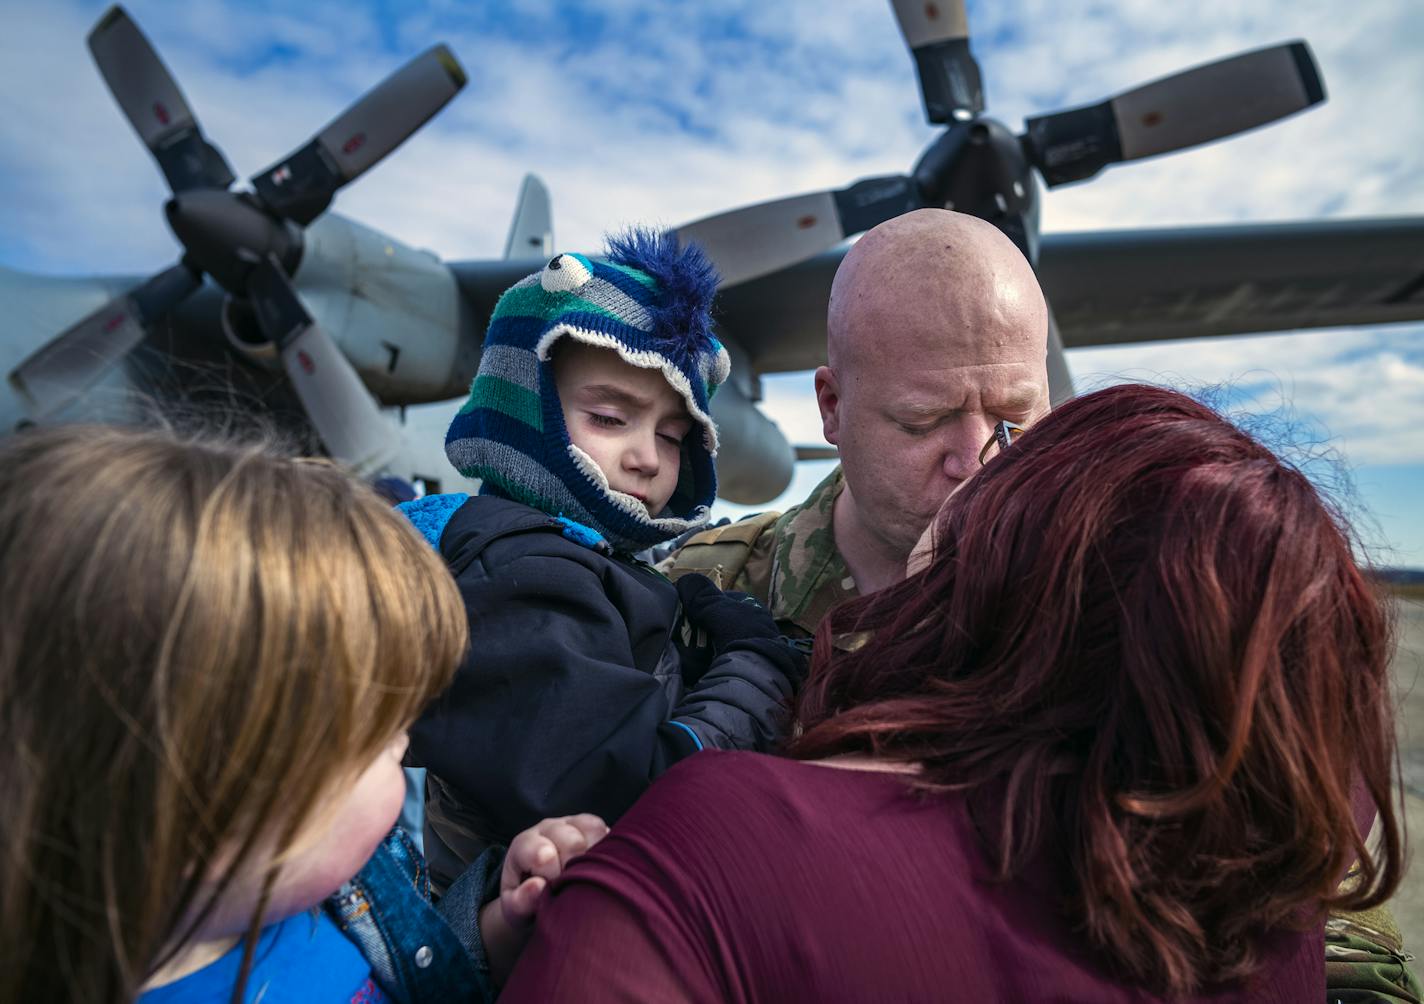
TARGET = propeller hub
(227,234)
(980,168)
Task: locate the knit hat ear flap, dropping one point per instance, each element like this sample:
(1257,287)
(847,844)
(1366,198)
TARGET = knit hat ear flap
(650,302)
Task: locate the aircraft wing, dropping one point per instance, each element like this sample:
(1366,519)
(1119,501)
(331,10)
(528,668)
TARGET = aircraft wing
(1113,287)
(1106,287)
(1117,286)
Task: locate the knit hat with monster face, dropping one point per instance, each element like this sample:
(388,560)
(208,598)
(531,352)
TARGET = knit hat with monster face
(650,301)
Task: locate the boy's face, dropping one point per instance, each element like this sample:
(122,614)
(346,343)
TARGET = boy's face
(628,419)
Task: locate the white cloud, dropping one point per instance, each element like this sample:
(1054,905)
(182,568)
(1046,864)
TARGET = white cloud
(667,113)
(635,110)
(1364,388)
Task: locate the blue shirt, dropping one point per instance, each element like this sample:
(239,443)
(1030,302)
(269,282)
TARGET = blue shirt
(302,959)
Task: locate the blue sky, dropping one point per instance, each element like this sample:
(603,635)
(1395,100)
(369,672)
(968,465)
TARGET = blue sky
(636,110)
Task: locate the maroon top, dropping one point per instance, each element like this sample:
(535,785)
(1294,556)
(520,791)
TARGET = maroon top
(743,877)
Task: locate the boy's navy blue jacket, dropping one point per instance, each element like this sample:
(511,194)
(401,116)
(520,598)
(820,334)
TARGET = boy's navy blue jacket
(575,694)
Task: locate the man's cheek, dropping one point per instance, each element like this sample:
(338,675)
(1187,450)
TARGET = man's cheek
(918,462)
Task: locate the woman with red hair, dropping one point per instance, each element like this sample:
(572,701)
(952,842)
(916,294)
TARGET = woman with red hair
(1118,739)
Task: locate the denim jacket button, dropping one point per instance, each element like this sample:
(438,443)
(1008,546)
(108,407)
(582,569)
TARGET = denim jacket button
(423,956)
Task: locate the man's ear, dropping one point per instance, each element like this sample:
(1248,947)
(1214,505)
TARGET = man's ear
(828,399)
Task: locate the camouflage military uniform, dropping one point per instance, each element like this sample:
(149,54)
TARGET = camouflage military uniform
(1365,960)
(788,561)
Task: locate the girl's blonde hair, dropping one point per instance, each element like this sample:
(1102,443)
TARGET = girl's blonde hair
(198,640)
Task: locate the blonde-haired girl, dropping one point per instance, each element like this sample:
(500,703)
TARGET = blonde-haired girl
(209,655)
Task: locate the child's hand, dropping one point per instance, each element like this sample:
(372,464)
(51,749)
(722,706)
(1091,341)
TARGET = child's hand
(537,856)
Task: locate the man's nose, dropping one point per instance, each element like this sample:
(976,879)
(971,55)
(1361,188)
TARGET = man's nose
(963,441)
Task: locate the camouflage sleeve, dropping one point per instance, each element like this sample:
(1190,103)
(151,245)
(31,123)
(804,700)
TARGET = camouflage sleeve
(1365,960)
(722,554)
(754,577)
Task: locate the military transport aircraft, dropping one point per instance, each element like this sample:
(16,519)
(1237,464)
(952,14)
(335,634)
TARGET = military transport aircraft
(282,307)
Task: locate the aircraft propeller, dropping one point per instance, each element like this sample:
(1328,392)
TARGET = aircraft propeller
(938,37)
(250,243)
(978,166)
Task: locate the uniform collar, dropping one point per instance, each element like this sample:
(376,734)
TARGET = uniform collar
(808,574)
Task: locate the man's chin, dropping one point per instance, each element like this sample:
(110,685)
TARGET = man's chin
(898,541)
(924,519)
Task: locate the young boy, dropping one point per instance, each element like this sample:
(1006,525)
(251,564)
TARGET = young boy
(588,427)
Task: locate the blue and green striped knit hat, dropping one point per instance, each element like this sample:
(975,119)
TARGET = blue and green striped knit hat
(649,300)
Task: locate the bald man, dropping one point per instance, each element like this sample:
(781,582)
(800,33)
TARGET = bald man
(936,330)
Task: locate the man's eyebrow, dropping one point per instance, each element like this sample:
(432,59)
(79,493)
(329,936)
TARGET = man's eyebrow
(607,393)
(911,411)
(1021,396)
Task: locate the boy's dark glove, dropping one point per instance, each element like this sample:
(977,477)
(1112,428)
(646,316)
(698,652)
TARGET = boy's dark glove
(724,617)
(740,699)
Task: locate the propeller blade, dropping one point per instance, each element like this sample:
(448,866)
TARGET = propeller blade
(818,452)
(333,395)
(154,106)
(301,185)
(64,368)
(937,32)
(755,240)
(1186,109)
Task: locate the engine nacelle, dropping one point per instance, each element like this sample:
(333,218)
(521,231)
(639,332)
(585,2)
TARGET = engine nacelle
(395,312)
(755,462)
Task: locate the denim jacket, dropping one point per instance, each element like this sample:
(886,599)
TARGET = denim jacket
(418,954)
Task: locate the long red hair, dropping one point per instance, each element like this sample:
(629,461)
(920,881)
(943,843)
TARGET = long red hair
(1147,640)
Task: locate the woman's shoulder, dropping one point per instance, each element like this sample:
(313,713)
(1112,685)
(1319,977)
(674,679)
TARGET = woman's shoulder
(719,768)
(733,798)
(714,807)
(716,767)
(733,773)
(695,798)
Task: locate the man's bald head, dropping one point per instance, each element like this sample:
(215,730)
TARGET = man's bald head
(939,282)
(937,329)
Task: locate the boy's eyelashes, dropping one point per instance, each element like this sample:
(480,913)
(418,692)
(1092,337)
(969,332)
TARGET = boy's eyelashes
(675,431)
(607,421)
(598,418)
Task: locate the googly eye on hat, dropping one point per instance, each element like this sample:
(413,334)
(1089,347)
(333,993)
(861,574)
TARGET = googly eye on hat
(565,273)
